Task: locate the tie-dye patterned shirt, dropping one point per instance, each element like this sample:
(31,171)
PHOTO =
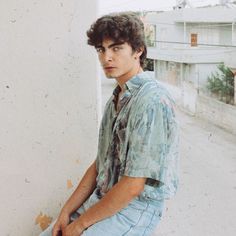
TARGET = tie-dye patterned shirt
(141,140)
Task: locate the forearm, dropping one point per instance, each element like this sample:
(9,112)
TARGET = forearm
(117,198)
(83,191)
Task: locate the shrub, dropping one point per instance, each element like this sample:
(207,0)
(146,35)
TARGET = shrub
(221,84)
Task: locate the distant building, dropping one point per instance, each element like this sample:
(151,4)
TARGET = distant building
(187,45)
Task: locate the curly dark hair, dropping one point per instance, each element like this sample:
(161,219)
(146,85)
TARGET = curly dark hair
(120,27)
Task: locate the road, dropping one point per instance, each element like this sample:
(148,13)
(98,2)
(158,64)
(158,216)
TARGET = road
(205,204)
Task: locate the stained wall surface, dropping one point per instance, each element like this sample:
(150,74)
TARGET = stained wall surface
(49,104)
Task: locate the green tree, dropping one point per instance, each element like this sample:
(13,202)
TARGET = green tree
(221,84)
(149,64)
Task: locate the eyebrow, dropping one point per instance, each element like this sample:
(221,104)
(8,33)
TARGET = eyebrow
(111,45)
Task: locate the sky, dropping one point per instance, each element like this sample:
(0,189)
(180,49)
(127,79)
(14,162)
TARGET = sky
(106,6)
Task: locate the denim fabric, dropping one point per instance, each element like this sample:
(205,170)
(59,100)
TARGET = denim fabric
(139,218)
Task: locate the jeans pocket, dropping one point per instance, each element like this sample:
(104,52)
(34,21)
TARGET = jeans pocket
(130,215)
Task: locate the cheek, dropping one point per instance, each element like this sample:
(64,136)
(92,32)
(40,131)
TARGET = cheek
(100,58)
(127,59)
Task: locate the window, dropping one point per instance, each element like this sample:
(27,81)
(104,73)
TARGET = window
(150,34)
(193,40)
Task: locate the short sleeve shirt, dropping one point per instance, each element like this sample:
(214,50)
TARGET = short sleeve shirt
(141,140)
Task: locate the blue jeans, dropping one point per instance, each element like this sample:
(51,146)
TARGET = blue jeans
(139,218)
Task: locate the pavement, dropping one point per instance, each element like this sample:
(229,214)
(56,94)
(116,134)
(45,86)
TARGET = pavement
(205,204)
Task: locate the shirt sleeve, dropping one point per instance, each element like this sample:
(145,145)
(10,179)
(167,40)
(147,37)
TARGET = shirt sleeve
(153,134)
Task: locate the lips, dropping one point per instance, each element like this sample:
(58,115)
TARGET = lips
(109,67)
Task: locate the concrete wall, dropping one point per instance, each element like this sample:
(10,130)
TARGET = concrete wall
(49,108)
(189,97)
(216,112)
(204,107)
(173,73)
(230,60)
(202,73)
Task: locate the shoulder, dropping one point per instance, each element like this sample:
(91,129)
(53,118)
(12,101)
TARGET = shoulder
(153,93)
(153,102)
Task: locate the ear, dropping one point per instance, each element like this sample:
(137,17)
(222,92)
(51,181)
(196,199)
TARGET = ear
(139,52)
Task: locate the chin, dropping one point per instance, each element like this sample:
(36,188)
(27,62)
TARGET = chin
(109,76)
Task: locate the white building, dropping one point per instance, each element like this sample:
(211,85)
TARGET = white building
(187,45)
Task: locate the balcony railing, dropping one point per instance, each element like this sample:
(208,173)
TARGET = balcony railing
(183,52)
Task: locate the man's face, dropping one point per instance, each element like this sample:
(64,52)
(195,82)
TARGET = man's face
(118,59)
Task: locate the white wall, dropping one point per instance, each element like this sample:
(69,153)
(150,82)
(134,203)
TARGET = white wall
(208,33)
(202,73)
(230,59)
(216,112)
(49,108)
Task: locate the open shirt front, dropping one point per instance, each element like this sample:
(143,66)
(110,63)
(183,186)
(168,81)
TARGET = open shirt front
(141,140)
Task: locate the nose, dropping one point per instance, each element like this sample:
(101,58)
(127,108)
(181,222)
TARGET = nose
(107,56)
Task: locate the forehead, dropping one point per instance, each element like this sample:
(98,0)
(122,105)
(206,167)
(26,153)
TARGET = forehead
(108,42)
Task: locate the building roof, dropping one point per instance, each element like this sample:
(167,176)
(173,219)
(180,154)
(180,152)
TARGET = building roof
(216,14)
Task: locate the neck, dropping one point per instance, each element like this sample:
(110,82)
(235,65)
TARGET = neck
(122,80)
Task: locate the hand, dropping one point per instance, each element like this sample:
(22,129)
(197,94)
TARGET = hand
(73,229)
(61,223)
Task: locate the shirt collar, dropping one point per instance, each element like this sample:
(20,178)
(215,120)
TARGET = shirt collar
(135,82)
(132,84)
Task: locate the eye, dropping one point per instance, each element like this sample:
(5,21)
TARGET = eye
(116,48)
(100,50)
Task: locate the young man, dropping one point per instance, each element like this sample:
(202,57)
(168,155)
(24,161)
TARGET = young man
(123,191)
